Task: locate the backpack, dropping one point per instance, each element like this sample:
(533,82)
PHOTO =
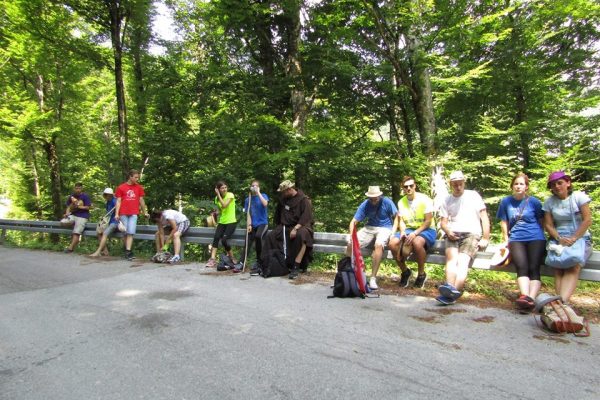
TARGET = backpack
(225,263)
(345,284)
(275,264)
(557,317)
(161,257)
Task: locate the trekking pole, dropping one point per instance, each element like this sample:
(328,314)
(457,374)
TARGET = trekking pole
(246,244)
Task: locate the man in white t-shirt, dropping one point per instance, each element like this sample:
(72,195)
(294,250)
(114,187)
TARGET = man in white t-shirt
(465,221)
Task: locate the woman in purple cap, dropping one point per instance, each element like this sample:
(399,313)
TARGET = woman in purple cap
(567,218)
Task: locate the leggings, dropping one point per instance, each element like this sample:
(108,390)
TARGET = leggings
(255,237)
(527,257)
(222,233)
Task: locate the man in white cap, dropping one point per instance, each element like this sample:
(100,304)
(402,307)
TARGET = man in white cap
(111,203)
(380,212)
(464,219)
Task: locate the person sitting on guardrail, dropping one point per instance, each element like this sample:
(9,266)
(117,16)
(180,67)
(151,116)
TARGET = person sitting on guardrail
(521,218)
(78,213)
(380,213)
(415,215)
(176,224)
(111,204)
(464,219)
(226,225)
(130,197)
(567,219)
(294,219)
(257,224)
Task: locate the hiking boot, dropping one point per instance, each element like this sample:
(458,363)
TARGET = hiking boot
(294,273)
(211,263)
(446,301)
(174,259)
(449,291)
(129,255)
(420,281)
(405,277)
(525,303)
(373,283)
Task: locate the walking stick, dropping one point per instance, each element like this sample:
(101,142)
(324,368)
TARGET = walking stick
(246,244)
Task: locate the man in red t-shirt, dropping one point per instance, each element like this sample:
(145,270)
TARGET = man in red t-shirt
(130,196)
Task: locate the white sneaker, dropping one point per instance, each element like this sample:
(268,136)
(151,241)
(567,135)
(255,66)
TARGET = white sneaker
(373,283)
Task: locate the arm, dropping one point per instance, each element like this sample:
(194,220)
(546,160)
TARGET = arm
(173,230)
(263,201)
(396,223)
(426,224)
(352,226)
(143,207)
(504,228)
(586,222)
(549,226)
(485,226)
(444,227)
(117,208)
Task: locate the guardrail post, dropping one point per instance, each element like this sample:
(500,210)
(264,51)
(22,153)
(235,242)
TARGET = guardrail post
(182,250)
(3,236)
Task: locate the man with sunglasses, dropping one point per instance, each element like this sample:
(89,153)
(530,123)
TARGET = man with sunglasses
(415,235)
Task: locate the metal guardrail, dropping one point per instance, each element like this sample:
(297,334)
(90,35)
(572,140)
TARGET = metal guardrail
(325,242)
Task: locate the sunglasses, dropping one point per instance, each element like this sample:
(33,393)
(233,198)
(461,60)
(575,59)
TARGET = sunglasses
(408,186)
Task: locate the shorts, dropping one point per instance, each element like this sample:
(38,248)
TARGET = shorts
(428,234)
(377,234)
(467,243)
(182,227)
(110,229)
(130,222)
(79,226)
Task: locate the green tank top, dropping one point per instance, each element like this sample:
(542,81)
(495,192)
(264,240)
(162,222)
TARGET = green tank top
(227,214)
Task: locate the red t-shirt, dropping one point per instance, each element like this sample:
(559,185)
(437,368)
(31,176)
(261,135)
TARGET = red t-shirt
(130,198)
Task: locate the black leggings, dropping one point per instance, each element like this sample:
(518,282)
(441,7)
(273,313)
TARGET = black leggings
(224,232)
(255,237)
(528,257)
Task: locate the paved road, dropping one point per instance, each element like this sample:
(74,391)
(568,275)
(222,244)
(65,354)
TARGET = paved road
(75,328)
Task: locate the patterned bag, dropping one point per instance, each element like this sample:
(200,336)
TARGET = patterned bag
(561,318)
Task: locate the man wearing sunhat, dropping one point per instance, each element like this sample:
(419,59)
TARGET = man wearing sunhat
(110,207)
(294,219)
(465,221)
(380,212)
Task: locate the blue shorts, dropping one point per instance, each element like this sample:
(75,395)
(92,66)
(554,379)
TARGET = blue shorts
(110,229)
(428,234)
(130,222)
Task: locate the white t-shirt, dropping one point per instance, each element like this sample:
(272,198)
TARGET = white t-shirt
(173,215)
(463,212)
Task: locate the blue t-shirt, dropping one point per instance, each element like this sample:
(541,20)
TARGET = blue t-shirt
(527,228)
(381,214)
(110,205)
(258,212)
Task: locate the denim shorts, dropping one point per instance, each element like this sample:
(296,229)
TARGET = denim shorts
(428,234)
(110,229)
(130,222)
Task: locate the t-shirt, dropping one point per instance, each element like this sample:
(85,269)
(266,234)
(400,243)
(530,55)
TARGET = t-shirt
(227,214)
(562,211)
(526,227)
(86,202)
(413,212)
(258,212)
(381,214)
(463,212)
(174,216)
(110,205)
(130,196)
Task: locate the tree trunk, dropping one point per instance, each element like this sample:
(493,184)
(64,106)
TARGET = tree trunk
(116,17)
(36,181)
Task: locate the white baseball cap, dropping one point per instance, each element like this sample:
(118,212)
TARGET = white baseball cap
(108,191)
(457,176)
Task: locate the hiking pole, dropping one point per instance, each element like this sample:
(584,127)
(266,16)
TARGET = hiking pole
(246,244)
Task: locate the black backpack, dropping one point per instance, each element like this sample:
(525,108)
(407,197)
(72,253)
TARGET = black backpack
(344,284)
(274,264)
(225,263)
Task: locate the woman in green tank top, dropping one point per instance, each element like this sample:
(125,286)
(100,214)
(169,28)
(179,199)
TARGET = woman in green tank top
(225,201)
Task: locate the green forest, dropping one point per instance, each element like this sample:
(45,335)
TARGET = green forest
(335,95)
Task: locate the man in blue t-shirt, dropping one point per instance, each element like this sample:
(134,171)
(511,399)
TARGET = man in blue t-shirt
(257,224)
(380,212)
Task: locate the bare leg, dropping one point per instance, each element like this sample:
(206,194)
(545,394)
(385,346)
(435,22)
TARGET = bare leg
(177,242)
(524,285)
(394,246)
(300,254)
(569,282)
(534,288)
(376,258)
(462,269)
(101,247)
(418,247)
(128,242)
(74,241)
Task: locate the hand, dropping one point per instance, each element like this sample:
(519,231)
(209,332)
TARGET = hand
(409,238)
(117,218)
(217,191)
(483,243)
(293,234)
(249,229)
(452,236)
(567,241)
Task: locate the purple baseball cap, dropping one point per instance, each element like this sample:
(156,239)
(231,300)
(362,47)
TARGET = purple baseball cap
(556,175)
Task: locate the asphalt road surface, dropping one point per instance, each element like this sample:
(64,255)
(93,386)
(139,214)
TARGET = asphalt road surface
(75,328)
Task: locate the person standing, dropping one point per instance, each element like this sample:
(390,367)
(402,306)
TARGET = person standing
(110,206)
(130,198)
(567,219)
(380,213)
(257,223)
(464,219)
(225,202)
(176,224)
(78,212)
(521,218)
(415,214)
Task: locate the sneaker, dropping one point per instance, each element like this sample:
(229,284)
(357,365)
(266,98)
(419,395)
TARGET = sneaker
(237,268)
(211,263)
(405,277)
(447,290)
(373,283)
(67,250)
(447,301)
(420,281)
(174,259)
(293,273)
(129,255)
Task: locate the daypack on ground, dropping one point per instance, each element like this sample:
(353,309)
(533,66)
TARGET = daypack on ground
(274,264)
(225,263)
(345,283)
(559,317)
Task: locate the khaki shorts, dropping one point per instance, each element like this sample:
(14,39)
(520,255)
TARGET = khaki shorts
(467,243)
(79,226)
(373,234)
